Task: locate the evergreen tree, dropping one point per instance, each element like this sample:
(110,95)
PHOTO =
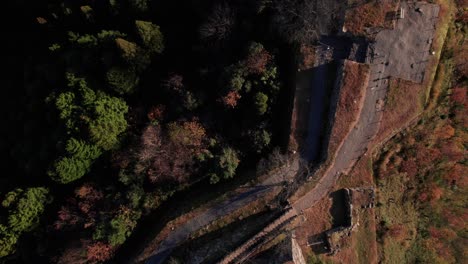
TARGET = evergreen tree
(150,35)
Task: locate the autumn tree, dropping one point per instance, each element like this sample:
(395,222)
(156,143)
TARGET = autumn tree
(99,252)
(257,58)
(230,100)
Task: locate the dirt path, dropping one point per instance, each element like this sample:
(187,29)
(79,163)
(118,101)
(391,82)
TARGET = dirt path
(182,233)
(393,50)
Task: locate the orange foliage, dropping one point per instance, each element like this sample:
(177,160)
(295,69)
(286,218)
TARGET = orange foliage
(458,95)
(231,99)
(426,156)
(452,150)
(99,252)
(307,54)
(455,173)
(436,192)
(369,15)
(445,132)
(410,167)
(256,62)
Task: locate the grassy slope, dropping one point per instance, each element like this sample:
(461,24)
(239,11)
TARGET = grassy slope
(420,177)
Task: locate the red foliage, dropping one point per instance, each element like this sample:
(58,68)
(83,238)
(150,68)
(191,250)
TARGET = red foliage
(89,193)
(257,62)
(436,192)
(455,173)
(175,82)
(99,252)
(426,156)
(80,210)
(451,150)
(423,197)
(231,99)
(66,217)
(156,113)
(410,167)
(458,95)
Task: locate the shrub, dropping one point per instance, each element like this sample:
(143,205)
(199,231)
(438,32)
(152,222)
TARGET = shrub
(228,162)
(261,103)
(150,35)
(121,80)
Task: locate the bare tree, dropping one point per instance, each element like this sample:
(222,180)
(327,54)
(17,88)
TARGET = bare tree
(219,24)
(303,21)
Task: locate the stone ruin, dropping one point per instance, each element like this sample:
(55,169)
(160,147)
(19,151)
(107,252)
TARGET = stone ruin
(355,200)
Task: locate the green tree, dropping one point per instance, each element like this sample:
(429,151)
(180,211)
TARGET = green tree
(150,35)
(139,6)
(122,80)
(228,162)
(78,162)
(85,112)
(24,210)
(128,49)
(261,102)
(118,228)
(261,139)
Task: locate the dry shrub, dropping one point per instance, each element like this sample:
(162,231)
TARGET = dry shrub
(397,232)
(410,167)
(369,15)
(99,252)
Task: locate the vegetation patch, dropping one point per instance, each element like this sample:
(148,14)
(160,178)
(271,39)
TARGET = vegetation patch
(365,15)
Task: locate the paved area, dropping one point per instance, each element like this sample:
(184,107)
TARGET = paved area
(389,56)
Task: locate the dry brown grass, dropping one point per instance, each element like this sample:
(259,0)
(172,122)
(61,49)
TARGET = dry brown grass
(317,220)
(405,101)
(352,92)
(373,14)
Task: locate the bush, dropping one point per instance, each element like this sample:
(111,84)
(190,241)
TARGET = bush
(150,35)
(261,139)
(121,80)
(260,101)
(228,162)
(119,228)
